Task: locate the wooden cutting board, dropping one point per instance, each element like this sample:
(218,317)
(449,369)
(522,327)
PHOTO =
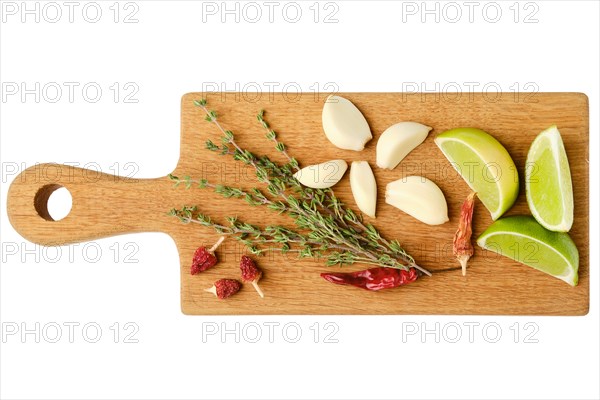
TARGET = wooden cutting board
(105,205)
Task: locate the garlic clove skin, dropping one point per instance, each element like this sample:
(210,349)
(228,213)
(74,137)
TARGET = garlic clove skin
(322,176)
(364,187)
(418,197)
(397,141)
(344,124)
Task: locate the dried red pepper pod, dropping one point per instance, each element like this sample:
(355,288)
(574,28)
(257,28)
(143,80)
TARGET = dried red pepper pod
(224,288)
(463,248)
(205,258)
(251,273)
(373,278)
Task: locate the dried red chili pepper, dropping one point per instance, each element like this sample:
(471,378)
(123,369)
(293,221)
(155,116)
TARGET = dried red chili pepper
(205,258)
(224,288)
(251,273)
(463,248)
(373,278)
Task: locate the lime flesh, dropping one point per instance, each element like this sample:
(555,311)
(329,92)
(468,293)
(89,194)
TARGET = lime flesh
(484,164)
(524,240)
(548,182)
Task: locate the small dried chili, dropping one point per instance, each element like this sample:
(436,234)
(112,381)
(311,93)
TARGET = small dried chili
(251,273)
(373,278)
(204,258)
(224,288)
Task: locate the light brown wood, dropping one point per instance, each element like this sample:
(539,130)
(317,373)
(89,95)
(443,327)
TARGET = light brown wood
(104,205)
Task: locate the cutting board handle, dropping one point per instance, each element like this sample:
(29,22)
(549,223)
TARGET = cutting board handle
(103,205)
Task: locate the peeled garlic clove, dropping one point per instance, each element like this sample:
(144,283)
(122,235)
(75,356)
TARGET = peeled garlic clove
(344,124)
(418,197)
(364,187)
(322,176)
(397,141)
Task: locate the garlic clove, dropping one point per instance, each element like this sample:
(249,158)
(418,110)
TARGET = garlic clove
(364,187)
(322,176)
(397,141)
(418,197)
(344,124)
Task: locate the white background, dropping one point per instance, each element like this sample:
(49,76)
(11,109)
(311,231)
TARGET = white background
(171,51)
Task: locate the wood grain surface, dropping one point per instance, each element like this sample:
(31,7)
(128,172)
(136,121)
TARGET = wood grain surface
(105,205)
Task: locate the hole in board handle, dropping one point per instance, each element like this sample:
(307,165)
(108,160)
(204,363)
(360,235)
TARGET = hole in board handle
(53,202)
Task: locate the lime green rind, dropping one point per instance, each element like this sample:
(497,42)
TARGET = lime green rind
(548,185)
(523,239)
(476,144)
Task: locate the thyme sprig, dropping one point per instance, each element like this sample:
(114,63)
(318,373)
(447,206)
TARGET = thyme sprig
(326,228)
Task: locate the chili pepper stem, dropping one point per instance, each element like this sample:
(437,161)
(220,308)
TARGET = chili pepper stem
(212,289)
(257,288)
(216,245)
(463,263)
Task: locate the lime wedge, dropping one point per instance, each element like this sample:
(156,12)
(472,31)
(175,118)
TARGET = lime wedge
(484,164)
(548,182)
(523,239)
